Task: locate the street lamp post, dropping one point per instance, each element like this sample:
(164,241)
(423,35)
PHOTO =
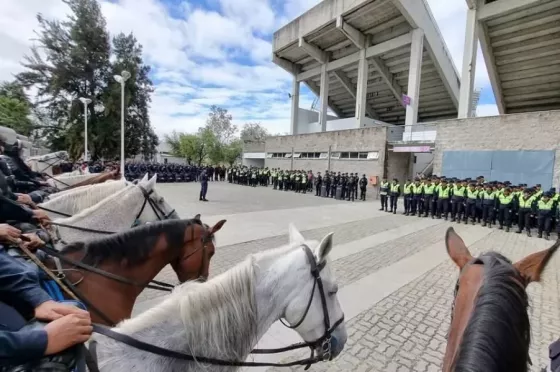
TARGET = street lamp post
(86,102)
(122,78)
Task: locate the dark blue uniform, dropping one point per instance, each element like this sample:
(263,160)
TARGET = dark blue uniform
(203,185)
(20,292)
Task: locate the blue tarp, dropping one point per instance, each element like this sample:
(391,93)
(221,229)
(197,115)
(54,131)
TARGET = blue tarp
(530,167)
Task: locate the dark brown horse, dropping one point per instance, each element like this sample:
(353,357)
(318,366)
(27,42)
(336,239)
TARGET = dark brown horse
(490,329)
(135,257)
(100,178)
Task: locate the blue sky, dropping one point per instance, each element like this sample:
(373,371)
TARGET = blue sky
(205,52)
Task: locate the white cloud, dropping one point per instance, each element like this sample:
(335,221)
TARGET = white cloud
(202,57)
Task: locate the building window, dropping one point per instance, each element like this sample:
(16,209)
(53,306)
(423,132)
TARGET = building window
(353,155)
(373,155)
(288,155)
(296,154)
(310,155)
(270,155)
(323,155)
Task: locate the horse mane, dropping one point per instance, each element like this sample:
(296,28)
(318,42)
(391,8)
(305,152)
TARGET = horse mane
(83,197)
(134,245)
(222,312)
(101,177)
(499,328)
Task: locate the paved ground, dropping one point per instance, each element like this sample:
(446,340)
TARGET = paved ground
(396,279)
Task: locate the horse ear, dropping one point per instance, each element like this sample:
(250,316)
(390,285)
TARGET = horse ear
(217,226)
(152,182)
(533,265)
(295,235)
(144,179)
(324,247)
(456,248)
(197,217)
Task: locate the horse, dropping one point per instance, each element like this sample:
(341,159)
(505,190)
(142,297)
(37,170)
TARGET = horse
(65,182)
(136,255)
(490,329)
(225,317)
(44,163)
(73,201)
(90,179)
(135,204)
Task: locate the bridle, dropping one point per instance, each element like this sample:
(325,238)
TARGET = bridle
(160,214)
(153,284)
(324,341)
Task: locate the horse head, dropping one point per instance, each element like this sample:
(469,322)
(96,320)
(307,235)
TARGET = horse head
(313,309)
(155,206)
(193,260)
(489,321)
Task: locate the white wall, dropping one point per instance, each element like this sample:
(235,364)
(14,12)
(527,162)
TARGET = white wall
(422,160)
(253,163)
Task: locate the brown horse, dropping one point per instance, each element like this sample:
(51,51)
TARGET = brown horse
(109,273)
(490,329)
(100,178)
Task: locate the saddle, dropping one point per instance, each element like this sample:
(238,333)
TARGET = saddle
(70,360)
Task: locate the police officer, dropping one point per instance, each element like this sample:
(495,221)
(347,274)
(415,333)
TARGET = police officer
(472,196)
(489,202)
(363,187)
(203,186)
(383,193)
(444,192)
(395,193)
(408,195)
(328,180)
(524,206)
(505,204)
(545,207)
(318,184)
(458,199)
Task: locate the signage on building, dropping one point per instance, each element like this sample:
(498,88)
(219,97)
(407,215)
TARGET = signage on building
(405,100)
(412,149)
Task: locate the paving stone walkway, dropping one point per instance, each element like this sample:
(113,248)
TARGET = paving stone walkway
(396,279)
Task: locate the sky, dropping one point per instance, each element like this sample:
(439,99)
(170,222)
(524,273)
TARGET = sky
(212,52)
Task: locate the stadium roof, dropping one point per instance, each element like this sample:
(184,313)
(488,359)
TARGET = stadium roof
(332,34)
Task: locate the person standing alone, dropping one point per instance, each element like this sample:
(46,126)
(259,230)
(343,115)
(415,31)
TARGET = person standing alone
(203,185)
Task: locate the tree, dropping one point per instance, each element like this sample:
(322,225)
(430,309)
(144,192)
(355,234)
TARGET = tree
(195,148)
(77,65)
(232,152)
(219,122)
(254,132)
(15,108)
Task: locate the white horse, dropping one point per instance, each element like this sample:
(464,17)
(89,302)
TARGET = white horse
(44,163)
(66,181)
(73,201)
(117,212)
(225,317)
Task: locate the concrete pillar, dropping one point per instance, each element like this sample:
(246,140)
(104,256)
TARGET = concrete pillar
(324,97)
(295,106)
(469,65)
(416,51)
(361,91)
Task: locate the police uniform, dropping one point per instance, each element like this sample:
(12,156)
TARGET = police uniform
(384,193)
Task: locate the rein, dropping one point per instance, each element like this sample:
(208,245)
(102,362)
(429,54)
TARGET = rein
(324,341)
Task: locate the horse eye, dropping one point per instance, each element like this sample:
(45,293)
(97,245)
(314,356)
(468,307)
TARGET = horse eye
(333,291)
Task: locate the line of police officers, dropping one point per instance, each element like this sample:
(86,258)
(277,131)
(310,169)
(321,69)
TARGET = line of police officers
(331,184)
(476,201)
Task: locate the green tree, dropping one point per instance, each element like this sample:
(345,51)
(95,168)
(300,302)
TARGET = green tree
(15,108)
(254,132)
(219,122)
(77,65)
(232,152)
(140,137)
